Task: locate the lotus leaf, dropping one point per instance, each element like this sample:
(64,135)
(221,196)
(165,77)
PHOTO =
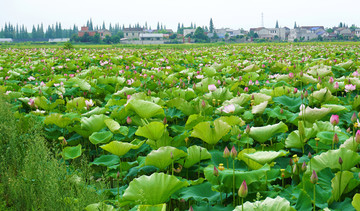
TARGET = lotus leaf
(94,123)
(313,114)
(158,207)
(278,203)
(106,160)
(101,137)
(121,148)
(161,158)
(356,201)
(264,157)
(249,162)
(153,130)
(259,109)
(337,188)
(113,125)
(72,152)
(232,120)
(145,109)
(262,134)
(99,206)
(152,190)
(210,135)
(57,119)
(195,154)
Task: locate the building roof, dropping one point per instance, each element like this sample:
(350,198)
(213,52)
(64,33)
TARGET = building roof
(59,40)
(314,28)
(133,29)
(151,35)
(6,39)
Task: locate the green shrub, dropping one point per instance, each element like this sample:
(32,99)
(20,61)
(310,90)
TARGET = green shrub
(32,178)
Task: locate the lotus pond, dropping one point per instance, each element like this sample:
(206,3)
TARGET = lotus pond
(267,127)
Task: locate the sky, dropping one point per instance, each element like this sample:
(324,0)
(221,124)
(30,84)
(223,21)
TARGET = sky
(233,14)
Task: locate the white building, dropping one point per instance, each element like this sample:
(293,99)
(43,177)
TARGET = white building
(272,33)
(307,33)
(6,40)
(189,31)
(151,37)
(59,40)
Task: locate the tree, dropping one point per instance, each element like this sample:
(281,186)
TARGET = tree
(107,39)
(96,38)
(85,38)
(277,24)
(103,26)
(200,36)
(211,27)
(158,26)
(75,38)
(340,24)
(115,39)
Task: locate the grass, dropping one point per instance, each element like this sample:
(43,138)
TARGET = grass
(31,176)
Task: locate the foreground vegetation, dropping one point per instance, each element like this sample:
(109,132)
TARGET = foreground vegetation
(223,127)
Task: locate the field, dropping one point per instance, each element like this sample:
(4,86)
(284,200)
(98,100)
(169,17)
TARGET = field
(187,127)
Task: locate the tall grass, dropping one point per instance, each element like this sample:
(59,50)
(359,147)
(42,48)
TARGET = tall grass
(32,178)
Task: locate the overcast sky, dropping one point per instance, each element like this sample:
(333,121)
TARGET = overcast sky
(225,13)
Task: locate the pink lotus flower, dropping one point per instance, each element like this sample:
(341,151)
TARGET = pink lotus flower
(350,87)
(251,83)
(331,80)
(334,119)
(31,78)
(128,120)
(199,76)
(88,104)
(291,75)
(229,108)
(130,81)
(336,85)
(357,136)
(246,89)
(31,102)
(211,87)
(295,90)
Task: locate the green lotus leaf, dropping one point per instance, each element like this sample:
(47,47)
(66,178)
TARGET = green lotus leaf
(194,155)
(72,152)
(193,120)
(355,81)
(221,94)
(76,103)
(209,71)
(210,135)
(262,134)
(261,98)
(278,203)
(113,125)
(145,109)
(313,114)
(58,120)
(99,206)
(101,137)
(94,123)
(326,137)
(233,120)
(292,103)
(356,201)
(226,176)
(161,157)
(259,109)
(323,95)
(308,79)
(127,90)
(152,190)
(285,115)
(320,71)
(337,188)
(264,157)
(106,160)
(251,68)
(351,144)
(77,82)
(43,103)
(331,159)
(153,130)
(346,65)
(242,100)
(121,148)
(201,192)
(158,207)
(334,108)
(249,162)
(95,111)
(181,104)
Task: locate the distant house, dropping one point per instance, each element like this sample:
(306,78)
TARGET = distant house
(3,40)
(357,32)
(151,37)
(307,33)
(272,33)
(59,40)
(133,33)
(345,32)
(189,31)
(85,29)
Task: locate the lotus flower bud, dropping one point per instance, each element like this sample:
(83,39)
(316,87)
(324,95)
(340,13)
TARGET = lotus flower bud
(291,162)
(302,96)
(306,94)
(295,169)
(295,90)
(118,175)
(243,190)
(348,130)
(226,153)
(247,130)
(336,85)
(303,167)
(357,136)
(353,118)
(191,209)
(203,103)
(340,161)
(233,153)
(334,119)
(331,80)
(164,121)
(128,120)
(335,138)
(301,73)
(246,89)
(314,178)
(291,75)
(281,111)
(318,86)
(215,172)
(309,155)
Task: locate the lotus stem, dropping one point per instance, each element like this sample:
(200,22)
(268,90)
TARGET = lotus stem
(314,196)
(340,181)
(283,182)
(227,163)
(234,202)
(266,186)
(120,169)
(242,204)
